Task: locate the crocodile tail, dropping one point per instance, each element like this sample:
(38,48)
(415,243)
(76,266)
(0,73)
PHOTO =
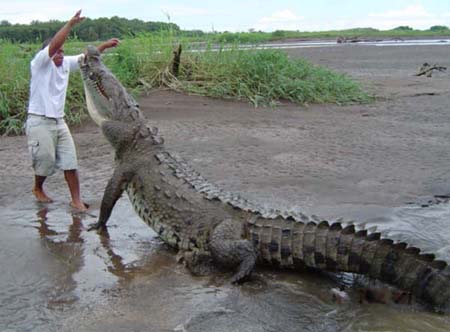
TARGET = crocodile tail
(335,248)
(394,263)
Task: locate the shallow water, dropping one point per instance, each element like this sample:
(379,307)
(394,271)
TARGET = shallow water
(321,43)
(56,276)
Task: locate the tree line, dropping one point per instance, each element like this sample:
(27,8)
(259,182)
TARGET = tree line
(104,28)
(89,30)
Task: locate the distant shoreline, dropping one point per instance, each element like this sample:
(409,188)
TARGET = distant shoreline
(361,38)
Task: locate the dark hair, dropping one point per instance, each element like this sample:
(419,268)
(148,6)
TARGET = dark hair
(46,42)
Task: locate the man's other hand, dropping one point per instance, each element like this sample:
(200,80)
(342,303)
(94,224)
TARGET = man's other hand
(113,42)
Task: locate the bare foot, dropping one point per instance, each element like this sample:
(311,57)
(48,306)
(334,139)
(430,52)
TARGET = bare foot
(41,196)
(80,207)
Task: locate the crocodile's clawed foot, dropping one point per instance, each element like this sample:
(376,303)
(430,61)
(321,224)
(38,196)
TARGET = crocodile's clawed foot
(98,226)
(245,269)
(238,279)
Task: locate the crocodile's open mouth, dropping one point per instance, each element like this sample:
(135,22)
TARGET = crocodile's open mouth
(94,78)
(97,99)
(96,82)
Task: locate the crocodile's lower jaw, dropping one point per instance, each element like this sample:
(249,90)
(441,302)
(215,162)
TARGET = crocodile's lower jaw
(93,112)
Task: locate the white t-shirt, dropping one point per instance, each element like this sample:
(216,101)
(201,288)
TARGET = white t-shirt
(49,83)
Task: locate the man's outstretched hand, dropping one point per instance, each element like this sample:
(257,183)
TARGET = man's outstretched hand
(77,18)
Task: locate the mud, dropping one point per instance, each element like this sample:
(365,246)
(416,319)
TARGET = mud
(359,162)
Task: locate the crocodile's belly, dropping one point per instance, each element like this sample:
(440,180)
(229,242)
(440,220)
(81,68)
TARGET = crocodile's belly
(146,212)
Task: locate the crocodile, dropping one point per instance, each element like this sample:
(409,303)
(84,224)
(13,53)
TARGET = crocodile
(213,228)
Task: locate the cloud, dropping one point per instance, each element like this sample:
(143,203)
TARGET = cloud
(279,20)
(415,16)
(410,12)
(29,11)
(44,10)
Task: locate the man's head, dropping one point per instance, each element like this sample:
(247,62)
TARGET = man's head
(58,57)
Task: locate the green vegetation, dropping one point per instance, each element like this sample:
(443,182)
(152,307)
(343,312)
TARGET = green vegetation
(263,77)
(14,73)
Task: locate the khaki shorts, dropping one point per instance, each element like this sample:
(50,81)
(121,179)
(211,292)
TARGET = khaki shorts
(50,144)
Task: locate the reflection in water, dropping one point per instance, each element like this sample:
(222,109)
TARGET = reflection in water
(67,248)
(68,279)
(36,283)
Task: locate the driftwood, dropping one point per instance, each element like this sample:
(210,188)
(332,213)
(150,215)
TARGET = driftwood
(176,61)
(427,69)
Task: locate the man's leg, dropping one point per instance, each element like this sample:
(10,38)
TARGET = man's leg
(66,159)
(40,140)
(73,183)
(38,189)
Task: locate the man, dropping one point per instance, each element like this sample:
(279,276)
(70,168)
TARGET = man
(49,139)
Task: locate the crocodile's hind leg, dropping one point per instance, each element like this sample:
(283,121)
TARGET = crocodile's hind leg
(230,249)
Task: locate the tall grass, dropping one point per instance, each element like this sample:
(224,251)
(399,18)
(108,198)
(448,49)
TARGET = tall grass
(14,76)
(262,77)
(265,77)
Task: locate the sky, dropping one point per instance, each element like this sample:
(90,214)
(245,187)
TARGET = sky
(241,15)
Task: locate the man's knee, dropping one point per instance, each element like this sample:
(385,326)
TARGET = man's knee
(43,160)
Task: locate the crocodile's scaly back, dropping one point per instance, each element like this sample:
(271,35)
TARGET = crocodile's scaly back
(212,226)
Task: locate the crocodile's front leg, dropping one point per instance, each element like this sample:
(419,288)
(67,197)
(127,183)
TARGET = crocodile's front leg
(113,191)
(230,249)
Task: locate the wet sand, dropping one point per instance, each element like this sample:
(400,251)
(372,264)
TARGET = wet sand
(361,162)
